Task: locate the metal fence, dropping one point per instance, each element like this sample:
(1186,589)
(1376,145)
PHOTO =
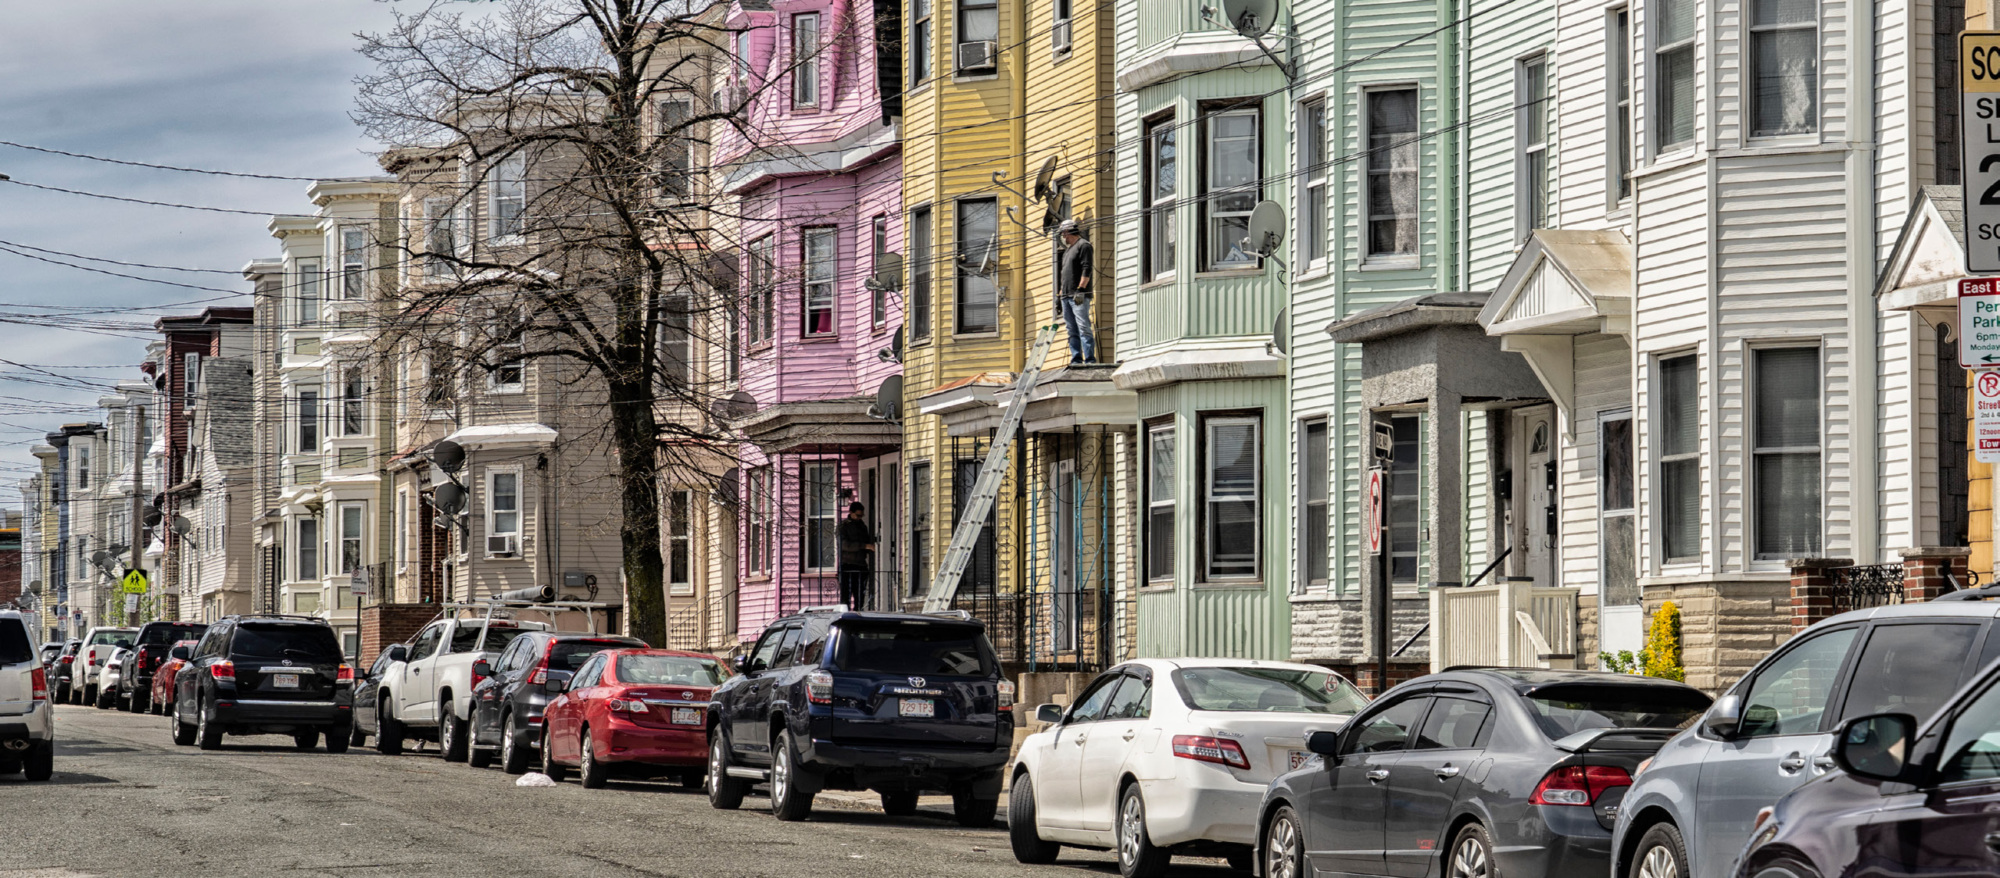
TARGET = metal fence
(1861,587)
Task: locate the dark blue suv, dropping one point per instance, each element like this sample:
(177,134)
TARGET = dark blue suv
(896,703)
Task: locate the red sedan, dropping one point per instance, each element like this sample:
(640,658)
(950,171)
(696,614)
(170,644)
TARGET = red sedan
(162,701)
(640,711)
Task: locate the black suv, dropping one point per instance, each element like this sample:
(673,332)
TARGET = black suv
(832,699)
(59,670)
(261,675)
(149,652)
(507,706)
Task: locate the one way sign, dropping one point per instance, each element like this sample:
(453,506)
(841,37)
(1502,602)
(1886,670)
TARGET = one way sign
(1979,322)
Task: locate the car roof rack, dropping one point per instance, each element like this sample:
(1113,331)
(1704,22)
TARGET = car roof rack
(290,617)
(491,605)
(961,615)
(828,608)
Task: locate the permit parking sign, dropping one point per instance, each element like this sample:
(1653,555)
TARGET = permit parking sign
(1979,322)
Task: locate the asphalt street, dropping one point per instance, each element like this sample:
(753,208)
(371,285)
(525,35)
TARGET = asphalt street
(126,802)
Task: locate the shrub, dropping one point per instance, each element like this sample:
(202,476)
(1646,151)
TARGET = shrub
(1662,655)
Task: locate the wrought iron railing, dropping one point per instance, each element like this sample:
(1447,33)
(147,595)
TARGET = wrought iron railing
(1870,585)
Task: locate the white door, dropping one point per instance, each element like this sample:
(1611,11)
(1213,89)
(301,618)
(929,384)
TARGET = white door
(1062,555)
(1534,511)
(1621,622)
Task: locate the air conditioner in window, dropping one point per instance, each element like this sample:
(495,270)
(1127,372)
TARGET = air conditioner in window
(978,55)
(1059,36)
(503,545)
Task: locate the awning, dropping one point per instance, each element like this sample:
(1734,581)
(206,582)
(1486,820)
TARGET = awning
(504,436)
(1929,257)
(1565,282)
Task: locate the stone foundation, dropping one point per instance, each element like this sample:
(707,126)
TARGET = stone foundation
(1726,627)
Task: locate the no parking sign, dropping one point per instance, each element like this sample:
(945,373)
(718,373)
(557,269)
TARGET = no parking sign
(1986,417)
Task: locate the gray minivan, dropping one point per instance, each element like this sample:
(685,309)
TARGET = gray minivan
(1693,807)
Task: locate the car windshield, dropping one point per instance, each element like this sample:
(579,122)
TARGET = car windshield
(568,655)
(1562,711)
(1285,690)
(496,638)
(14,646)
(913,648)
(156,635)
(309,642)
(669,670)
(115,638)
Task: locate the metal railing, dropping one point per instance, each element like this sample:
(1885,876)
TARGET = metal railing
(1864,586)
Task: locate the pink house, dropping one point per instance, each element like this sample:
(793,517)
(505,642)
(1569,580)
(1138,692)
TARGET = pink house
(817,189)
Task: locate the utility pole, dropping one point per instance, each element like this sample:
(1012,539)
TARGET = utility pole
(138,499)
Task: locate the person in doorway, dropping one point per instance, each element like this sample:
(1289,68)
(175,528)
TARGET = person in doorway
(1073,293)
(857,557)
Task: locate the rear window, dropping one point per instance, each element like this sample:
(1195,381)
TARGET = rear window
(115,638)
(170,634)
(568,655)
(308,642)
(669,670)
(1562,711)
(496,638)
(913,648)
(14,646)
(1281,690)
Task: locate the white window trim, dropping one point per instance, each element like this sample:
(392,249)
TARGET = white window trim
(1310,178)
(928,63)
(1656,467)
(507,180)
(340,568)
(684,540)
(809,521)
(1386,261)
(1302,578)
(1526,151)
(1605,513)
(806,70)
(958,274)
(299,543)
(1749,75)
(402,526)
(1153,503)
(1656,145)
(299,419)
(1152,235)
(309,284)
(520,511)
(498,356)
(356,269)
(1618,46)
(340,417)
(1208,497)
(1753,453)
(810,276)
(1205,258)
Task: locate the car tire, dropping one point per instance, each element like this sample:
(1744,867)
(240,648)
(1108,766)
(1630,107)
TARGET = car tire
(1284,848)
(790,800)
(1138,857)
(183,732)
(207,734)
(899,803)
(451,733)
(479,757)
(1471,854)
(39,763)
(549,767)
(388,731)
(725,793)
(1785,869)
(1022,833)
(355,736)
(62,694)
(589,772)
(339,737)
(513,751)
(693,778)
(89,695)
(102,699)
(306,740)
(136,703)
(972,809)
(1661,854)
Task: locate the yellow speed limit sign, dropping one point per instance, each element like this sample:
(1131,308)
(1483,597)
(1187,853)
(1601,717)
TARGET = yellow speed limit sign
(1979,136)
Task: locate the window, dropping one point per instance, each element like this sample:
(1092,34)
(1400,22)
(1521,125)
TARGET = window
(1392,172)
(1616,508)
(508,372)
(83,466)
(758,534)
(1784,54)
(920,42)
(1531,145)
(921,257)
(676,341)
(437,377)
(1452,724)
(1971,749)
(920,528)
(352,526)
(1673,75)
(402,526)
(353,262)
(1313,215)
(308,420)
(353,420)
(978,263)
(308,287)
(820,483)
(1160,501)
(1389,729)
(1790,695)
(1133,701)
(510,196)
(1618,68)
(762,264)
(676,148)
(680,533)
(878,237)
(1314,545)
(818,251)
(980,572)
(1680,463)
(1908,669)
(503,503)
(305,550)
(440,237)
(1786,452)
(805,60)
(1233,183)
(191,376)
(978,31)
(1161,167)
(1405,501)
(1232,523)
(1059,31)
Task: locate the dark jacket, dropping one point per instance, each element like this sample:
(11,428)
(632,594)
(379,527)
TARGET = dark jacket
(854,541)
(1075,268)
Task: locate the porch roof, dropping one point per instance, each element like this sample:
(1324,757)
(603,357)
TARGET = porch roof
(821,426)
(1565,282)
(966,405)
(1430,346)
(1075,396)
(1929,256)
(1409,315)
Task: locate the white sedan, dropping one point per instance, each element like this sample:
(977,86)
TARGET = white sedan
(1158,757)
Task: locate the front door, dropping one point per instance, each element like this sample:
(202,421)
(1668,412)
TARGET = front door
(1534,507)
(1062,555)
(1621,619)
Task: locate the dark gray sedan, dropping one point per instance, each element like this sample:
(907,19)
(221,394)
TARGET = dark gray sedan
(1514,771)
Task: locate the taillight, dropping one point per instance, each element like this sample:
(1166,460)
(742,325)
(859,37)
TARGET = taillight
(223,670)
(630,704)
(93,655)
(40,683)
(1203,748)
(819,687)
(541,675)
(1578,784)
(344,675)
(1006,694)
(69,659)
(145,661)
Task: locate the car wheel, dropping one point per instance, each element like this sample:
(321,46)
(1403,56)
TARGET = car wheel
(789,798)
(1284,846)
(207,734)
(1785,869)
(899,803)
(513,754)
(388,731)
(136,702)
(306,740)
(1661,854)
(971,809)
(39,763)
(1022,833)
(1472,854)
(1137,857)
(589,771)
(338,737)
(101,698)
(725,793)
(451,733)
(549,767)
(183,732)
(479,757)
(355,736)
(62,694)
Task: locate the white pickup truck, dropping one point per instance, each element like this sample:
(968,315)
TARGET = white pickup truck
(426,691)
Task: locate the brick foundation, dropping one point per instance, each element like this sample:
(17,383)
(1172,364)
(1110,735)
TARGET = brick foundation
(1812,589)
(385,624)
(1930,571)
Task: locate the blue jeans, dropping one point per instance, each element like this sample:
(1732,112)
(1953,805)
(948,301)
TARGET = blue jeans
(1082,339)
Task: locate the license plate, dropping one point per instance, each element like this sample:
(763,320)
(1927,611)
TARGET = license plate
(916,707)
(284,681)
(687,716)
(1296,759)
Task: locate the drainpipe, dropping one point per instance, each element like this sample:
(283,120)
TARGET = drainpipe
(1863,354)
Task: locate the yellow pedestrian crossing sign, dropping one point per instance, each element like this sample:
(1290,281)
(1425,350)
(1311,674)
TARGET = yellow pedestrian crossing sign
(133,583)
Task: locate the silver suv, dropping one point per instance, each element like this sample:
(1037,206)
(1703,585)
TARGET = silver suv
(27,718)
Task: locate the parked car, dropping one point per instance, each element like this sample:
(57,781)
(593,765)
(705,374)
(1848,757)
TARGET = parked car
(27,716)
(366,684)
(62,669)
(507,706)
(50,651)
(641,712)
(98,645)
(426,690)
(160,700)
(1692,809)
(261,675)
(890,702)
(135,682)
(1909,798)
(1470,773)
(108,678)
(1166,739)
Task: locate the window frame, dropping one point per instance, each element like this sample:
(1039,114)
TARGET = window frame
(353,241)
(306,420)
(923,493)
(1657,445)
(758,496)
(402,526)
(1212,191)
(1160,244)
(1531,146)
(923,51)
(1162,569)
(1752,93)
(490,509)
(761,268)
(1757,453)
(823,522)
(1373,166)
(878,241)
(1309,503)
(353,420)
(310,282)
(1618,100)
(1062,27)
(1658,122)
(509,185)
(1208,499)
(1605,511)
(680,541)
(961,11)
(440,230)
(675,173)
(1315,216)
(306,547)
(961,304)
(505,353)
(358,539)
(675,350)
(818,289)
(805,90)
(922,272)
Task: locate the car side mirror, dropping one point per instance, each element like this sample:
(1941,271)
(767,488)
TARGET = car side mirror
(179,652)
(1725,719)
(1876,746)
(741,663)
(1324,743)
(1050,714)
(399,653)
(482,668)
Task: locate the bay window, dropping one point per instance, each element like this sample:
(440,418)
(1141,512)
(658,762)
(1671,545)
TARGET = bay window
(1232,156)
(817,254)
(1232,523)
(1160,501)
(1161,167)
(805,61)
(1784,55)
(510,196)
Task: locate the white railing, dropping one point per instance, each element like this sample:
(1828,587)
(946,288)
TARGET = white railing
(1512,624)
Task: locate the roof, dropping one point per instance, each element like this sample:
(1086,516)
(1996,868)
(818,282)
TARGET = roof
(503,435)
(1950,204)
(1408,316)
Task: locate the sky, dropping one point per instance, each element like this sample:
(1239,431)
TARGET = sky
(260,87)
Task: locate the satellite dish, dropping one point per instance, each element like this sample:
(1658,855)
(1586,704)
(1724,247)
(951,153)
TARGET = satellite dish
(448,498)
(1278,334)
(888,272)
(159,501)
(1043,178)
(1267,229)
(180,526)
(889,399)
(726,488)
(102,558)
(738,406)
(1250,18)
(448,456)
(894,352)
(151,517)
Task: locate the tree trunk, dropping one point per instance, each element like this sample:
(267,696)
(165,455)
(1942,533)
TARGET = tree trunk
(635,434)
